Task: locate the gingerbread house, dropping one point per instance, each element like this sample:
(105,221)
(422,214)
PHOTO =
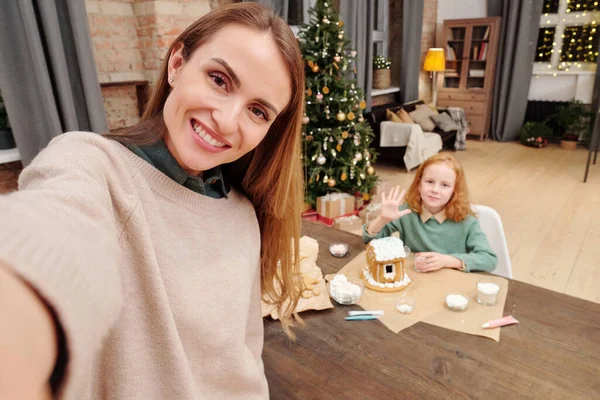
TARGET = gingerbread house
(385,270)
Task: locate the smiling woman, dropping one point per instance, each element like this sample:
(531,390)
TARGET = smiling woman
(137,260)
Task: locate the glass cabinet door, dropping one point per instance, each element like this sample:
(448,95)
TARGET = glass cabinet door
(455,46)
(478,54)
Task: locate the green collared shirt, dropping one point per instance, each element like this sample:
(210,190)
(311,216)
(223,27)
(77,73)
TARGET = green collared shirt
(212,184)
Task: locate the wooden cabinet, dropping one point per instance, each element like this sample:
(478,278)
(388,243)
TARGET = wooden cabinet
(471,47)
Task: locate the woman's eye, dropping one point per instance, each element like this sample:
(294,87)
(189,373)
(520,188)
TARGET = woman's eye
(259,113)
(219,79)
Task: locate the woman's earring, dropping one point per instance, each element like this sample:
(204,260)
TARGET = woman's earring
(171,79)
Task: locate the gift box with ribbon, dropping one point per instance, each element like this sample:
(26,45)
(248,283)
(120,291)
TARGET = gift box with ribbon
(310,215)
(351,223)
(370,212)
(381,187)
(334,205)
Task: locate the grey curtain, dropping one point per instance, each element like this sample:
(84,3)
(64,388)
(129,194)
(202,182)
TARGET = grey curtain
(358,27)
(516,53)
(48,76)
(412,26)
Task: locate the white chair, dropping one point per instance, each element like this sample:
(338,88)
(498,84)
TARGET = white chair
(491,225)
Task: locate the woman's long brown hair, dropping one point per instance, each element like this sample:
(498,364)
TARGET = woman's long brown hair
(458,207)
(270,175)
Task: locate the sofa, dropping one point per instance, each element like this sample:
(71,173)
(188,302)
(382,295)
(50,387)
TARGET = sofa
(377,115)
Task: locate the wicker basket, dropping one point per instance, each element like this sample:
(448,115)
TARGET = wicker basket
(382,78)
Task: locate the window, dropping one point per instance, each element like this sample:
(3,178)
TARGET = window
(389,271)
(380,23)
(568,37)
(297,13)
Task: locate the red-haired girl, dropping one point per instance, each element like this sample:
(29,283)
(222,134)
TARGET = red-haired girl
(436,222)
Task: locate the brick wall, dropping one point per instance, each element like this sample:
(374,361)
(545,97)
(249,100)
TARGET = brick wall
(130,38)
(427,41)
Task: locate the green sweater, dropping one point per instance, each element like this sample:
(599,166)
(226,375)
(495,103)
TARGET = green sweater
(463,240)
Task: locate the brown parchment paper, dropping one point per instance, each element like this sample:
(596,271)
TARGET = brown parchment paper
(430,290)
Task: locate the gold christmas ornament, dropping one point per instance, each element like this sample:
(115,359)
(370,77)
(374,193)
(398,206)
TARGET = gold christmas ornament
(309,138)
(345,134)
(341,23)
(315,68)
(370,170)
(310,63)
(350,116)
(362,104)
(309,92)
(340,36)
(340,116)
(366,196)
(331,182)
(337,59)
(338,148)
(361,119)
(325,90)
(344,176)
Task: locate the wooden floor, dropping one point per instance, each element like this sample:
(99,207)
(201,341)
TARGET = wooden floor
(551,218)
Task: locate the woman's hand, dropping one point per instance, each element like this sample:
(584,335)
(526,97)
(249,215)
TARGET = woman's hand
(27,340)
(390,205)
(431,261)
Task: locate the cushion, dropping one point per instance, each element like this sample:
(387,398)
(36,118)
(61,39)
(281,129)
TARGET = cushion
(444,122)
(392,116)
(422,117)
(430,105)
(405,117)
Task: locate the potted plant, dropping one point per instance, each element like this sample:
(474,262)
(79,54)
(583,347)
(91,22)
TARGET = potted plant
(6,138)
(382,73)
(572,122)
(535,134)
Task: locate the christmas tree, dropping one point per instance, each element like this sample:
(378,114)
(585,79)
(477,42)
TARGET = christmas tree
(336,137)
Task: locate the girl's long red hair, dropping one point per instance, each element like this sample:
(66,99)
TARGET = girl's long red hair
(459,206)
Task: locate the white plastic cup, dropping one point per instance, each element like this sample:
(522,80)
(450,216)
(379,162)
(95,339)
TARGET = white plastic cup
(487,293)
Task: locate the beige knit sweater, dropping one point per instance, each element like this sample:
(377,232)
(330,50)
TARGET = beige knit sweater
(156,287)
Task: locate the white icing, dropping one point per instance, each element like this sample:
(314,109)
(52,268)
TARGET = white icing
(488,287)
(343,290)
(404,282)
(456,300)
(388,248)
(405,308)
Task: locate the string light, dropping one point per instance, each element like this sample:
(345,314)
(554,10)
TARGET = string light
(579,40)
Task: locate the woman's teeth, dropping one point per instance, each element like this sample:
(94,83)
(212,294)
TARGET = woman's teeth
(206,137)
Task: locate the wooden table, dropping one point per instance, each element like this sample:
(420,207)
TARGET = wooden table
(554,353)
